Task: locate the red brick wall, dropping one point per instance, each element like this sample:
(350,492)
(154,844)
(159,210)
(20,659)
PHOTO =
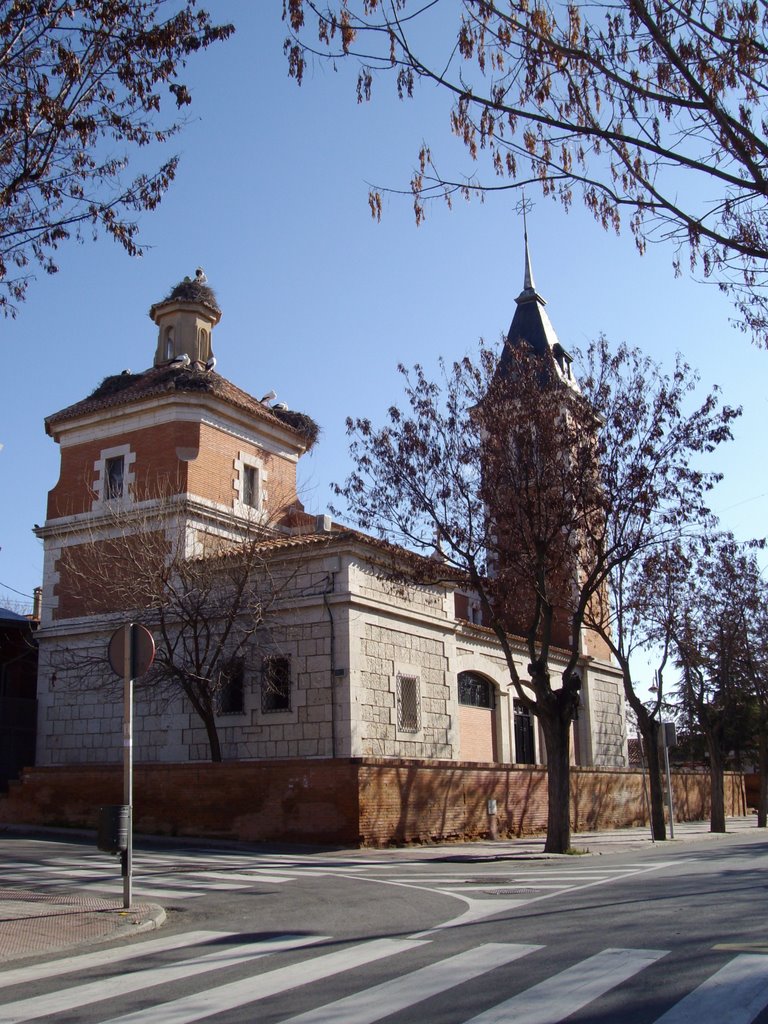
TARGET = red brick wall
(101,575)
(291,801)
(359,801)
(212,474)
(157,467)
(477,728)
(159,471)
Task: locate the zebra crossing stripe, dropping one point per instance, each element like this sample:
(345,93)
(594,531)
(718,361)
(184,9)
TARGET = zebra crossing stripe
(734,995)
(249,990)
(251,879)
(35,1007)
(105,957)
(398,994)
(572,989)
(181,884)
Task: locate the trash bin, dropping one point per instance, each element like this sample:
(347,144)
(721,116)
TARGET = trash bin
(112,834)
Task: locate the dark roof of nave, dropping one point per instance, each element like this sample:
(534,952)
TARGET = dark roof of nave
(126,388)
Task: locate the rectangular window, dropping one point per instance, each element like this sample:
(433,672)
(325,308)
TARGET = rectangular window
(524,753)
(408,712)
(251,486)
(276,684)
(232,689)
(114,473)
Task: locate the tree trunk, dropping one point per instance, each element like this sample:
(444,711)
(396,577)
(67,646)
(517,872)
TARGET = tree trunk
(557,740)
(649,730)
(212,732)
(716,785)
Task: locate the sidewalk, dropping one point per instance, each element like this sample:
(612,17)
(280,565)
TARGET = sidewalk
(33,924)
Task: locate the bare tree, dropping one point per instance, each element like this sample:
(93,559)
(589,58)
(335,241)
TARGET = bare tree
(211,609)
(655,493)
(656,109)
(78,78)
(719,610)
(756,667)
(538,493)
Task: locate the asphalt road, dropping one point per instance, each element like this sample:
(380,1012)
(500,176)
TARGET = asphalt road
(669,935)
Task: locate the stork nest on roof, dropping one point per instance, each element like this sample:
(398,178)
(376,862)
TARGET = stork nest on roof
(190,290)
(300,422)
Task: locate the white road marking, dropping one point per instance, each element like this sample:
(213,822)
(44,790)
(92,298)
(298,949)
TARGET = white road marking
(35,1007)
(104,957)
(252,879)
(249,990)
(570,990)
(398,994)
(502,884)
(180,883)
(734,995)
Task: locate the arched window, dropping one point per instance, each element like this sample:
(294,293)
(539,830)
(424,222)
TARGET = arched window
(476,691)
(169,344)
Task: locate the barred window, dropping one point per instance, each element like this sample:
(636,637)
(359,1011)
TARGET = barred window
(276,684)
(232,692)
(475,691)
(408,711)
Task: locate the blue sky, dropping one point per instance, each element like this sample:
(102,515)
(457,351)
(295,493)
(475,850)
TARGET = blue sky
(319,302)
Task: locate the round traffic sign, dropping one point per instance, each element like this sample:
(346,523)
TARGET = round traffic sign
(142,648)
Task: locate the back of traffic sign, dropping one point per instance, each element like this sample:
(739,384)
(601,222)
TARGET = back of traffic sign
(142,649)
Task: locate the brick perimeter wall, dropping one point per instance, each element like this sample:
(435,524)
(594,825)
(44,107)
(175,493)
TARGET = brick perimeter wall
(359,801)
(296,801)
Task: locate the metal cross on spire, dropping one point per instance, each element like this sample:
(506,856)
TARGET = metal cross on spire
(525,206)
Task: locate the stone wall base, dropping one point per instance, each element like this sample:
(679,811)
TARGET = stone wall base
(356,802)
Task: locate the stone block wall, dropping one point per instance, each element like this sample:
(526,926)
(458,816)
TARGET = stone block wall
(81,709)
(607,719)
(386,652)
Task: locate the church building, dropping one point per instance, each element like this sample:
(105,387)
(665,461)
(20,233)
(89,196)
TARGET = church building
(347,664)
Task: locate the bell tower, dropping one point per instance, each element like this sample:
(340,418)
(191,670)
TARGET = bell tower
(185,321)
(175,450)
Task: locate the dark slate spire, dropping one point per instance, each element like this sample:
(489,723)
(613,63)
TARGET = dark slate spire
(531,326)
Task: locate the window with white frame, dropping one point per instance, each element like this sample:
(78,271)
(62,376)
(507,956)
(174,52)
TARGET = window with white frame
(408,707)
(250,485)
(114,475)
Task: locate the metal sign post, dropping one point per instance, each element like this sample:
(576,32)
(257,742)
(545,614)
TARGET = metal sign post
(128,670)
(667,732)
(131,652)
